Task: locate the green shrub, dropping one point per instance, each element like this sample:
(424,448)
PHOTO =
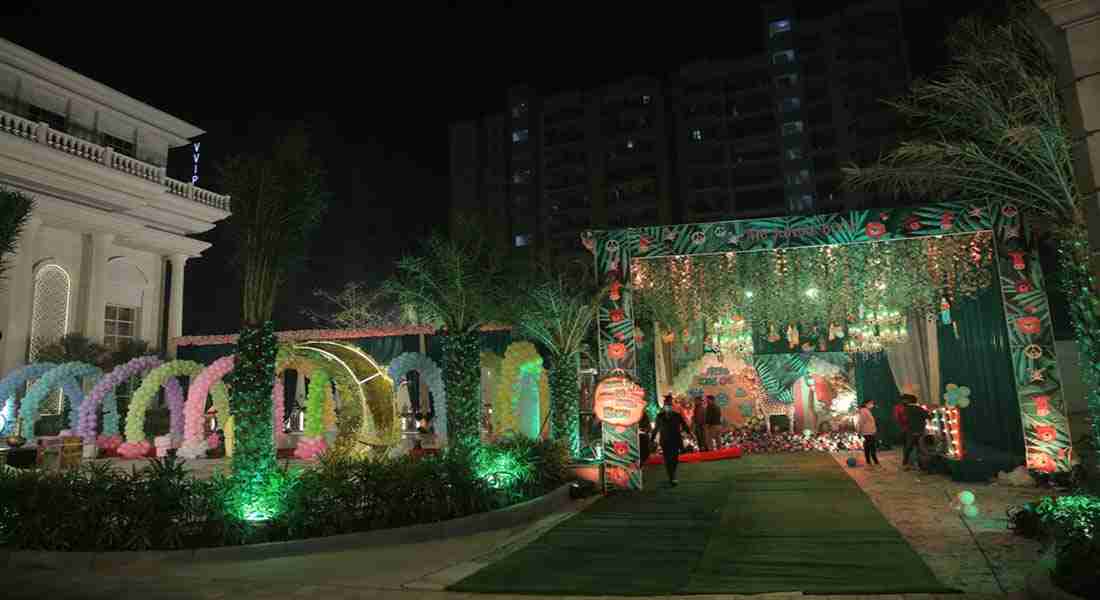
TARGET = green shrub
(1072,523)
(161,506)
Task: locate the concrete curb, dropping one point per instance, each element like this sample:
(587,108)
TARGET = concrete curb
(504,518)
(1040,586)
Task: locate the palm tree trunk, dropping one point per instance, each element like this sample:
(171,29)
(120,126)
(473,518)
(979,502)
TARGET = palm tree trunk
(254,454)
(565,394)
(1077,280)
(462,382)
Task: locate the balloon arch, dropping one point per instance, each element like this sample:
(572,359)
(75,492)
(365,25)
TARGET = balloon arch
(350,393)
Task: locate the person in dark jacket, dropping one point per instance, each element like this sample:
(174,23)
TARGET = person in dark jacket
(714,423)
(915,420)
(644,436)
(670,427)
(699,422)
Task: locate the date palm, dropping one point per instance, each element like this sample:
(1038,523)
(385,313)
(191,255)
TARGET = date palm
(15,210)
(454,284)
(277,202)
(558,313)
(991,127)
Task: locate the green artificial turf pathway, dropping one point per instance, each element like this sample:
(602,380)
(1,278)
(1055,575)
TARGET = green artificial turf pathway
(765,523)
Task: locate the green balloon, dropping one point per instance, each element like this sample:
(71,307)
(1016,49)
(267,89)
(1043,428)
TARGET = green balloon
(963,402)
(970,511)
(965,391)
(966,497)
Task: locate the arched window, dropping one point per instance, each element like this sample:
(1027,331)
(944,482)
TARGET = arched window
(50,314)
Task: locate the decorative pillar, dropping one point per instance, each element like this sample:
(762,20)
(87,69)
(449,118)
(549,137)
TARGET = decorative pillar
(175,303)
(20,288)
(95,274)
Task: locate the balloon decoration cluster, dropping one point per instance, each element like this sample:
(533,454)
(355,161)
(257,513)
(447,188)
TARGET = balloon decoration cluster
(207,383)
(432,376)
(967,503)
(67,377)
(957,395)
(103,393)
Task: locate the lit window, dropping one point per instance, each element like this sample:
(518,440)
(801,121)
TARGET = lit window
(630,144)
(790,104)
(794,153)
(519,110)
(519,136)
(523,240)
(697,135)
(792,128)
(783,57)
(777,27)
(645,99)
(120,324)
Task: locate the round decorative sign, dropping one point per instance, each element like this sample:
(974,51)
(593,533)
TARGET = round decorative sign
(619,401)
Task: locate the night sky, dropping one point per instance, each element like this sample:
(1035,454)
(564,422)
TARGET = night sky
(378,90)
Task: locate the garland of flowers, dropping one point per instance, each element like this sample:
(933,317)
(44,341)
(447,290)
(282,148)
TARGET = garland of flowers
(817,285)
(432,377)
(104,393)
(519,356)
(67,377)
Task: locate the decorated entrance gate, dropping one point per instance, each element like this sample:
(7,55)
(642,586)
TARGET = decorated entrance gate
(1016,267)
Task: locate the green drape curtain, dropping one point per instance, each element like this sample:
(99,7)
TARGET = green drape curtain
(875,381)
(979,359)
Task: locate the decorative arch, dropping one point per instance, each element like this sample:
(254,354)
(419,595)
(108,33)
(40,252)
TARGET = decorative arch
(14,380)
(373,421)
(67,377)
(511,414)
(50,306)
(154,379)
(433,378)
(104,393)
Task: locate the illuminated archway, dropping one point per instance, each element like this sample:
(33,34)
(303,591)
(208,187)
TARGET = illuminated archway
(368,412)
(522,400)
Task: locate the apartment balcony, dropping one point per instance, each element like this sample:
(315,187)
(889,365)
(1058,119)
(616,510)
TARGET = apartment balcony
(59,141)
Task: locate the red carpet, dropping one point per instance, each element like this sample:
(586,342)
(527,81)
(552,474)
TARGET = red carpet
(733,452)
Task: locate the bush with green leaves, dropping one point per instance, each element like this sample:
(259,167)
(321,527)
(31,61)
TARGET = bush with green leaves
(1072,525)
(161,506)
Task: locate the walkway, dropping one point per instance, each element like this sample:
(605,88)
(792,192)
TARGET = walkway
(421,571)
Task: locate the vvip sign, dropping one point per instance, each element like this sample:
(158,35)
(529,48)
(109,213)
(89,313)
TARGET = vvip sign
(619,405)
(195,162)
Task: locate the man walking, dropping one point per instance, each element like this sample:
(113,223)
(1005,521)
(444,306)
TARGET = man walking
(670,426)
(915,419)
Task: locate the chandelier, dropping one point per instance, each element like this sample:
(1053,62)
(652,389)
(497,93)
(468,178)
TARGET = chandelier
(875,330)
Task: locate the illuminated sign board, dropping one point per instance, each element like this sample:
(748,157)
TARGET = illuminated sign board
(619,401)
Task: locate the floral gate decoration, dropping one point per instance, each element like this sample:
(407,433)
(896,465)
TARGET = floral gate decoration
(952,245)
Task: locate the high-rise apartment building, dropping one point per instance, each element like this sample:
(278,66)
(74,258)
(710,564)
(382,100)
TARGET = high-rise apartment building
(753,136)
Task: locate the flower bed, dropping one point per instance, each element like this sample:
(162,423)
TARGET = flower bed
(1071,525)
(163,507)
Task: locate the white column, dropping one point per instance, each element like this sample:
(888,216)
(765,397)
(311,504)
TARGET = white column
(175,303)
(96,276)
(20,289)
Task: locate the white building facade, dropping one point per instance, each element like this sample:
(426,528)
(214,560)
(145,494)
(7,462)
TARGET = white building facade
(106,249)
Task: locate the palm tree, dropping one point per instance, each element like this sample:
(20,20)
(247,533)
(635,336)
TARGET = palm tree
(558,313)
(991,127)
(454,284)
(15,210)
(277,202)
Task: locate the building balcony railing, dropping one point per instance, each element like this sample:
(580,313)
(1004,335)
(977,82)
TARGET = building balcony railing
(106,156)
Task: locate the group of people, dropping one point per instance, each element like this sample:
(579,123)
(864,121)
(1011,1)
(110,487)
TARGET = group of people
(671,427)
(909,415)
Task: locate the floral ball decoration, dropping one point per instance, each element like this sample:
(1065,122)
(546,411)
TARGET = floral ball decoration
(67,377)
(104,393)
(616,351)
(875,230)
(432,376)
(957,395)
